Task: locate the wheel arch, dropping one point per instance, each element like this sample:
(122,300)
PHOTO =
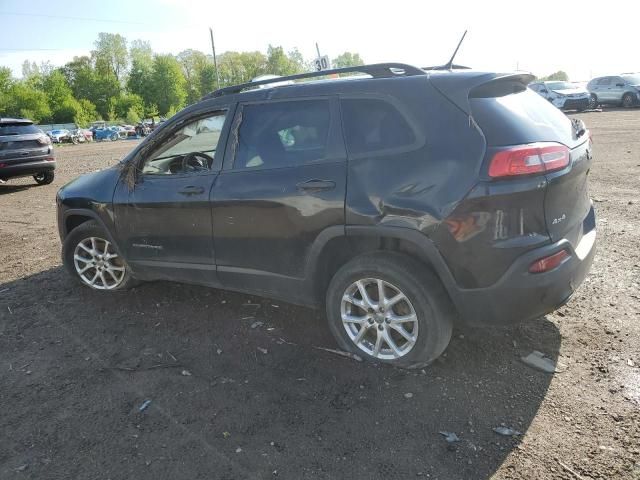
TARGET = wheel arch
(337,248)
(73,218)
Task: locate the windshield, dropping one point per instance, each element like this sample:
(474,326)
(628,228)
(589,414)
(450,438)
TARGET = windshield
(632,79)
(560,86)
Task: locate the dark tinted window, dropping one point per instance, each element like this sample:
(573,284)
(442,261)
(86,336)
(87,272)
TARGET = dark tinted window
(372,125)
(283,134)
(17,129)
(520,118)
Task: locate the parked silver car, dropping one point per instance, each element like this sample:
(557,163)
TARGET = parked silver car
(564,95)
(622,90)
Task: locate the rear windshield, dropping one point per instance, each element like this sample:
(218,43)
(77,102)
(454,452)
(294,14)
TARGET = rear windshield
(521,118)
(17,129)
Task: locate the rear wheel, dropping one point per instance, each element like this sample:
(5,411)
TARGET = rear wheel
(93,260)
(44,178)
(389,309)
(593,101)
(627,100)
(114,137)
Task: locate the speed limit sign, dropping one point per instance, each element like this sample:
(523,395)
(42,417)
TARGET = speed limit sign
(322,63)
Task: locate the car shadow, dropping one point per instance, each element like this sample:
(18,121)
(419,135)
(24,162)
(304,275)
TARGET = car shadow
(6,188)
(238,388)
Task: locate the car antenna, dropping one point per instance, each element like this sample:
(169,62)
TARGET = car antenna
(449,65)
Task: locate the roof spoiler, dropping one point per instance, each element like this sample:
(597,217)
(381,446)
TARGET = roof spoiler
(459,88)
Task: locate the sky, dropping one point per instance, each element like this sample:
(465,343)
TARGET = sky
(539,37)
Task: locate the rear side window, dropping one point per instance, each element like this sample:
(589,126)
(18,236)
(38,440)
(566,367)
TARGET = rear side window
(18,129)
(373,125)
(283,134)
(604,81)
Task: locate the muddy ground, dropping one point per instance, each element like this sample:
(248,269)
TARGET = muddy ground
(233,399)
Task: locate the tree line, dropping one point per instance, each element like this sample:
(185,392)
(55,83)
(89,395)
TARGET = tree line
(122,81)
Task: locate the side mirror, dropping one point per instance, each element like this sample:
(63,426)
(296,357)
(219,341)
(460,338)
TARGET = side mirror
(619,84)
(544,91)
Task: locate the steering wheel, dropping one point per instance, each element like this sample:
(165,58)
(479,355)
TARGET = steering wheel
(196,161)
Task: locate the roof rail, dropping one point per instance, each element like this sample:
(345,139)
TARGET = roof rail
(377,70)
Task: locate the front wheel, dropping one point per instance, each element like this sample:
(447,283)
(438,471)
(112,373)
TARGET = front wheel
(593,102)
(93,260)
(389,309)
(44,178)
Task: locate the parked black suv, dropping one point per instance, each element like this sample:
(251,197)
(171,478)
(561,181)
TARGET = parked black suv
(401,201)
(25,151)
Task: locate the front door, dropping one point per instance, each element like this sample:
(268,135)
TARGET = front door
(283,183)
(164,221)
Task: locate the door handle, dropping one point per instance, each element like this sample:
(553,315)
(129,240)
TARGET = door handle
(191,190)
(316,185)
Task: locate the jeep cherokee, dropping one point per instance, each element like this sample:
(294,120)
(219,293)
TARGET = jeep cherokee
(401,201)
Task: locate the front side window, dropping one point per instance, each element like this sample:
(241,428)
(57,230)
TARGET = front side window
(283,134)
(374,125)
(191,149)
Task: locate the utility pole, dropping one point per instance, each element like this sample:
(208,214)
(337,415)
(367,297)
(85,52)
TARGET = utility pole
(215,60)
(318,50)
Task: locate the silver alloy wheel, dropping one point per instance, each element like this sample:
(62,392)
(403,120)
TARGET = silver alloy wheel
(379,319)
(98,264)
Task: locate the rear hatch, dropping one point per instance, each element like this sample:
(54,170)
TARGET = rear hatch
(512,116)
(19,141)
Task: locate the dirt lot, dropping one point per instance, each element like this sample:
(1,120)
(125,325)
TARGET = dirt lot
(234,399)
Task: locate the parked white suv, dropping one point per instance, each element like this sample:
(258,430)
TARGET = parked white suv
(564,95)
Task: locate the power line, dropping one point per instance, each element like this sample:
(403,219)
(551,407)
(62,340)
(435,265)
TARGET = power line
(90,19)
(34,49)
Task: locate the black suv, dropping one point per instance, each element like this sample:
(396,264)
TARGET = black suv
(402,201)
(25,151)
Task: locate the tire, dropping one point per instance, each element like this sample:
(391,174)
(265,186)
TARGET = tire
(627,100)
(108,273)
(425,302)
(593,101)
(44,178)
(75,140)
(114,137)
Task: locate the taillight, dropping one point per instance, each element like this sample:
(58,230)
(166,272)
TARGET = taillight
(549,263)
(528,159)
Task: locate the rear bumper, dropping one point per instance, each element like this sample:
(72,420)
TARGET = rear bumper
(26,167)
(520,295)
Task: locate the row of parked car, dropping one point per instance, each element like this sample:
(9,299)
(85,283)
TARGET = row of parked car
(81,135)
(618,90)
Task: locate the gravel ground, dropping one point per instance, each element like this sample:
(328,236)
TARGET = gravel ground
(232,398)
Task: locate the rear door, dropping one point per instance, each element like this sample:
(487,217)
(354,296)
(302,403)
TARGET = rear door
(283,184)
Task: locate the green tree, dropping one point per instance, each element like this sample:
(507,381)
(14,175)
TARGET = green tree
(23,100)
(167,84)
(57,88)
(193,62)
(127,103)
(347,59)
(278,63)
(5,84)
(240,67)
(111,56)
(558,76)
